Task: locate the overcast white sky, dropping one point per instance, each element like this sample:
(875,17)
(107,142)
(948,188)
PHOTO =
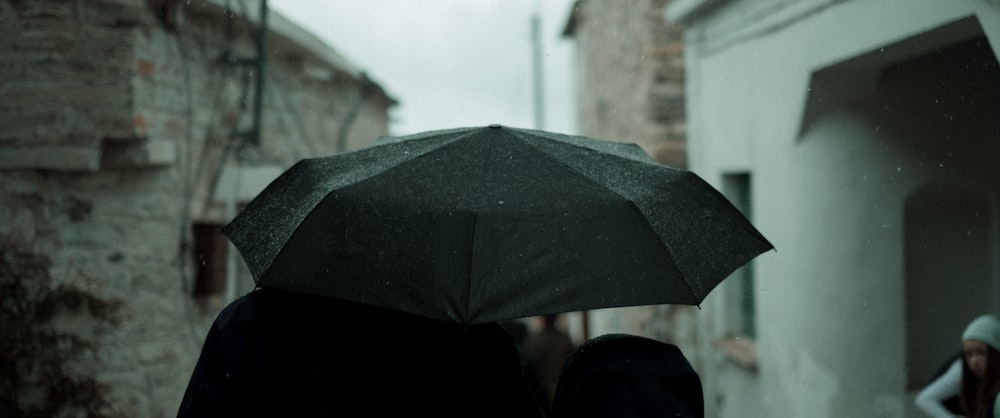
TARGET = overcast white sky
(451,63)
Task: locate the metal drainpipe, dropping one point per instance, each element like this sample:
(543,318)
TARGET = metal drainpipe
(539,88)
(258,102)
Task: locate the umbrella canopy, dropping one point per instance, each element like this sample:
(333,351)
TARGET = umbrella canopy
(481,224)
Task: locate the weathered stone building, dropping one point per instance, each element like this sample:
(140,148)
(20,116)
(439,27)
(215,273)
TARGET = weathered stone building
(127,138)
(630,75)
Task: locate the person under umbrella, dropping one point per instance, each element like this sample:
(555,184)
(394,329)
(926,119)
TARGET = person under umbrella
(455,229)
(627,376)
(274,353)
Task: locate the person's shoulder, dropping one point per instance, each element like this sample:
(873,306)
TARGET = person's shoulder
(240,310)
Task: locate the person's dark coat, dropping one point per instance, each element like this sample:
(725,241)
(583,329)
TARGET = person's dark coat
(280,354)
(627,376)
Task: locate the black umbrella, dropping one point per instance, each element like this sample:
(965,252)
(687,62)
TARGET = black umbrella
(481,224)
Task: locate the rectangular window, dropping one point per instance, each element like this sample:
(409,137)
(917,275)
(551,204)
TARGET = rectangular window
(736,187)
(210,249)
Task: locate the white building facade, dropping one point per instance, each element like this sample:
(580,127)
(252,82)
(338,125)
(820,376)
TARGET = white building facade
(863,139)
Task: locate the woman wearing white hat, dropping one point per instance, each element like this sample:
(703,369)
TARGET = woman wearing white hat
(981,374)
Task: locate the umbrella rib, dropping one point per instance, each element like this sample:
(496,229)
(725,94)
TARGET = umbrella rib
(639,156)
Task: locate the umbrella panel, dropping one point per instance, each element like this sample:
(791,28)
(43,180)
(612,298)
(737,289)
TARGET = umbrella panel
(514,234)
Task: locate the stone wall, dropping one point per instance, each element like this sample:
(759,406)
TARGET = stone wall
(118,118)
(630,66)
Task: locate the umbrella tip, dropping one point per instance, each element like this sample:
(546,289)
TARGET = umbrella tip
(495,126)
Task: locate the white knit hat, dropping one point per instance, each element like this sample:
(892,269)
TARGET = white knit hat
(985,328)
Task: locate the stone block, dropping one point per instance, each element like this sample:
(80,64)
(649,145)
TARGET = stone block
(19,225)
(115,12)
(55,157)
(20,184)
(118,154)
(45,9)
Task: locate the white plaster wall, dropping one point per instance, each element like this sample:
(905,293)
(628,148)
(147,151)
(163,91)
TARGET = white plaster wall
(829,298)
